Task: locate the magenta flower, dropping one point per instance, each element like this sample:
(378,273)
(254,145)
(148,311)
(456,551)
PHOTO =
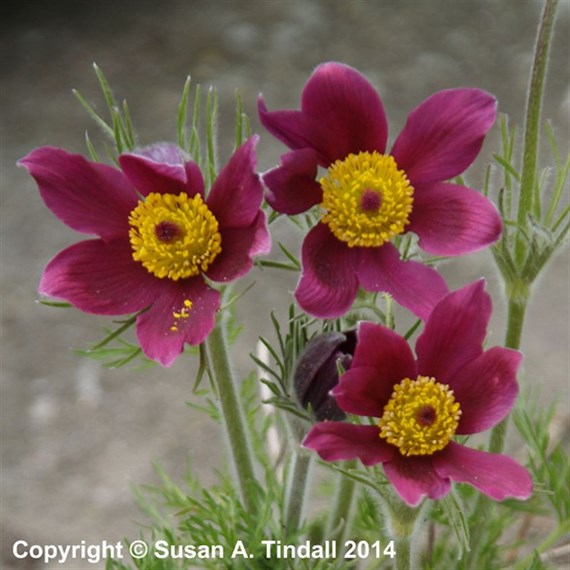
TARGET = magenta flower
(369,197)
(453,387)
(158,235)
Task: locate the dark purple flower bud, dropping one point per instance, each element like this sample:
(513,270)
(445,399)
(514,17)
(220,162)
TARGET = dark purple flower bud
(317,372)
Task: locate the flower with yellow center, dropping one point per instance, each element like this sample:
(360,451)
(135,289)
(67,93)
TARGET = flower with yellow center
(157,245)
(367,199)
(173,235)
(413,439)
(420,417)
(370,193)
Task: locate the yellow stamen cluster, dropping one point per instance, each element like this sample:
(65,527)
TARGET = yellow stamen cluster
(173,235)
(367,199)
(421,416)
(184,313)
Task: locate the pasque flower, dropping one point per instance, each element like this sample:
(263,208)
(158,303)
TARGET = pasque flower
(452,387)
(368,196)
(158,234)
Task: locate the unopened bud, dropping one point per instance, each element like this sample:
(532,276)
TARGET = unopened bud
(317,372)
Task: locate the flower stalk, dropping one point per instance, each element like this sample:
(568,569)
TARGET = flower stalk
(296,491)
(518,291)
(515,323)
(518,301)
(236,430)
(532,122)
(340,515)
(403,524)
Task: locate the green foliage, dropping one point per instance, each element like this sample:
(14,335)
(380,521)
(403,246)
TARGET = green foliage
(536,563)
(546,225)
(114,351)
(119,127)
(548,463)
(195,515)
(280,369)
(292,263)
(55,304)
(277,374)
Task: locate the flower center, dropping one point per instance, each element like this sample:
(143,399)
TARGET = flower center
(421,416)
(174,236)
(367,199)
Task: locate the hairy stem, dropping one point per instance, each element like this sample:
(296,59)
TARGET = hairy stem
(518,293)
(232,414)
(513,336)
(532,121)
(403,523)
(515,319)
(297,490)
(340,515)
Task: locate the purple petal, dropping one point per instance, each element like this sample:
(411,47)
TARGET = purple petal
(194,179)
(413,285)
(292,187)
(444,134)
(385,350)
(328,283)
(486,389)
(360,392)
(299,131)
(453,220)
(235,198)
(100,277)
(454,333)
(345,101)
(155,327)
(498,476)
(89,197)
(341,113)
(239,245)
(149,175)
(164,153)
(338,441)
(415,477)
(382,359)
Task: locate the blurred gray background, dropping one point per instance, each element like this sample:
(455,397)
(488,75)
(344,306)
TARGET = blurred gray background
(75,436)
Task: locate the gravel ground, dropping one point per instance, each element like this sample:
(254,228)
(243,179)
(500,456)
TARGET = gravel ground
(75,436)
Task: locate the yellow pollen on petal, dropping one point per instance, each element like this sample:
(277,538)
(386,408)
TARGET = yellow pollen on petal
(367,199)
(174,236)
(421,416)
(183,313)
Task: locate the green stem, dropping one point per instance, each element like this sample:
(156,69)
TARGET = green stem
(518,293)
(404,553)
(515,318)
(518,302)
(532,121)
(403,525)
(297,490)
(232,414)
(341,514)
(513,336)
